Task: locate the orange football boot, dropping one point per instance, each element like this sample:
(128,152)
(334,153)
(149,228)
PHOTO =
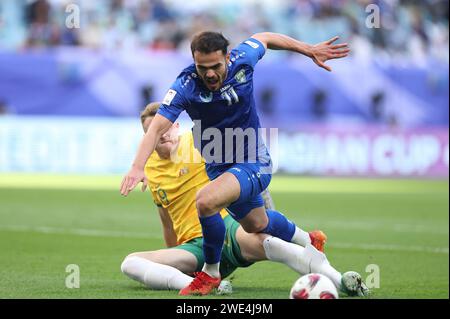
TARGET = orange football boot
(202,284)
(318,239)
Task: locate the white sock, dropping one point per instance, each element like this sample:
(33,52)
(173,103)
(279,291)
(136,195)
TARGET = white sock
(154,275)
(301,237)
(328,270)
(212,269)
(284,252)
(302,260)
(319,263)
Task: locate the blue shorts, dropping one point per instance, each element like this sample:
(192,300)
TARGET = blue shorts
(253,179)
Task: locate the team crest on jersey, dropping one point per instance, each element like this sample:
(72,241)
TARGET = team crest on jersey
(206,98)
(183,171)
(240,77)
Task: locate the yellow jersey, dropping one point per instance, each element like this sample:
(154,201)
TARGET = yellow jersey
(174,186)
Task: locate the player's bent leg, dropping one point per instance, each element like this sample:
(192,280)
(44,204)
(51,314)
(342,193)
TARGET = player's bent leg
(163,269)
(210,200)
(276,224)
(231,258)
(257,247)
(253,196)
(249,208)
(317,238)
(302,260)
(271,222)
(217,194)
(255,221)
(182,259)
(290,254)
(251,245)
(310,260)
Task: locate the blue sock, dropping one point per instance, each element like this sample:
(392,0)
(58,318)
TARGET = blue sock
(213,228)
(279,226)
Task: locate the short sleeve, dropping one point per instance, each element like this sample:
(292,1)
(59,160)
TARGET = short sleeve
(174,102)
(251,51)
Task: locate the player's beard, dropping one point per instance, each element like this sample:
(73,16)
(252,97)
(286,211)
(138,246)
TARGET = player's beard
(217,85)
(213,86)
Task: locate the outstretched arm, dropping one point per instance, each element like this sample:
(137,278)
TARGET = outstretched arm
(319,53)
(157,128)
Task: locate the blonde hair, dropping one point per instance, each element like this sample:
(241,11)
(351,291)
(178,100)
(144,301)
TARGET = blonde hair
(150,111)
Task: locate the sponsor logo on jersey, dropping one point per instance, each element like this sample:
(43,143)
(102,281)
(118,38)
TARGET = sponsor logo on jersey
(169,97)
(254,45)
(206,97)
(240,77)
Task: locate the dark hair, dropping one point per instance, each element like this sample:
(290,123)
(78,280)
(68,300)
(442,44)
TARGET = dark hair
(207,42)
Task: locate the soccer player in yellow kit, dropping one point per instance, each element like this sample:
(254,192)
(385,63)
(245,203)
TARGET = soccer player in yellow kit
(175,172)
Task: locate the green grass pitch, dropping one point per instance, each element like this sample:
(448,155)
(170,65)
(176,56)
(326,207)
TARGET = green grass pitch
(49,222)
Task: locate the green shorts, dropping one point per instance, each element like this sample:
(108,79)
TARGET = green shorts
(231,253)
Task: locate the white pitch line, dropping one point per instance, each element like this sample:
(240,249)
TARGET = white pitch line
(390,247)
(121,234)
(77,231)
(371,225)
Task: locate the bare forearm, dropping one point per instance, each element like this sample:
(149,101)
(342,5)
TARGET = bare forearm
(157,128)
(146,148)
(135,175)
(319,53)
(170,238)
(277,41)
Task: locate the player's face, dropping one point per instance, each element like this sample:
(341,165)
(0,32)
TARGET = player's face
(168,141)
(212,68)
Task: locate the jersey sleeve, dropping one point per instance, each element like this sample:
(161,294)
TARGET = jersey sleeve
(174,102)
(250,51)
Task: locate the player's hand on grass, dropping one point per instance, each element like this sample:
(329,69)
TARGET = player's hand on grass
(322,52)
(130,181)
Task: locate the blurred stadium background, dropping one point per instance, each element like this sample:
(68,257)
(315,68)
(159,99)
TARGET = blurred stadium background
(69,127)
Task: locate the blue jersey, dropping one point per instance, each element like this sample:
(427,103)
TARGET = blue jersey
(225,110)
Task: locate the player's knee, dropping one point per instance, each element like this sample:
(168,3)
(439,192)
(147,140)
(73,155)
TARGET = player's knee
(127,265)
(205,205)
(254,227)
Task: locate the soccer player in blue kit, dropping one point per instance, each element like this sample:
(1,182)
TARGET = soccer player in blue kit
(217,93)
